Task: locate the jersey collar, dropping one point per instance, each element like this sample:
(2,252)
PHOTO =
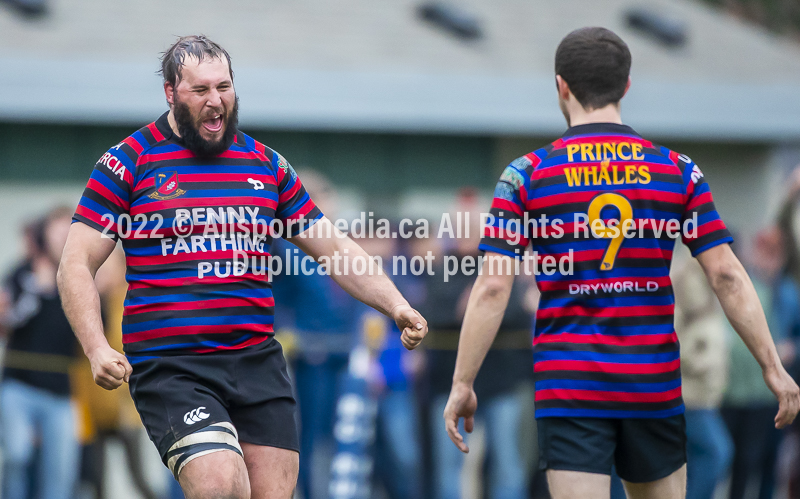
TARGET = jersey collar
(600,129)
(162,124)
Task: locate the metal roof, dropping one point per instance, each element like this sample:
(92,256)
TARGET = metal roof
(372,65)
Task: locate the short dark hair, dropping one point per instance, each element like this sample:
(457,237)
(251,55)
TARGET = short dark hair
(595,63)
(193,45)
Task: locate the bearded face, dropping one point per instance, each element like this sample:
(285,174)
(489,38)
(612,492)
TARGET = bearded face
(204,105)
(207,133)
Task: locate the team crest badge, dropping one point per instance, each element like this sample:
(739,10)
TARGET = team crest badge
(166,184)
(286,167)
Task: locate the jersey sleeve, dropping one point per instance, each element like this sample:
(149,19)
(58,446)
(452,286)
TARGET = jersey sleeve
(106,199)
(702,227)
(296,210)
(503,231)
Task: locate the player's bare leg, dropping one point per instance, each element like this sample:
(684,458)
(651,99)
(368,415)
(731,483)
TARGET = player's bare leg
(272,471)
(565,484)
(217,475)
(670,487)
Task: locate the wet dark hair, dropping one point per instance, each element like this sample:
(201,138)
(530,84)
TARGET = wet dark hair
(195,46)
(595,63)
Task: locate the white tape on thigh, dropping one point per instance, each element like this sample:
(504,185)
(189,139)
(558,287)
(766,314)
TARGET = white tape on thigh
(201,443)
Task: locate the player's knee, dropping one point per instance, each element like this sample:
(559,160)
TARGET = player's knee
(219,475)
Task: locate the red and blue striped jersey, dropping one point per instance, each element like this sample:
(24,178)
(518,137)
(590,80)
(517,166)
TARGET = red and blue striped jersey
(604,340)
(188,225)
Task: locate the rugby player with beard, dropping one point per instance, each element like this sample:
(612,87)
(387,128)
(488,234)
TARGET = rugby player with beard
(207,376)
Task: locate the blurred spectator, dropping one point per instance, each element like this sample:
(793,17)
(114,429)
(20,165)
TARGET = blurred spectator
(748,406)
(110,414)
(700,325)
(500,385)
(787,309)
(35,404)
(789,223)
(398,455)
(317,344)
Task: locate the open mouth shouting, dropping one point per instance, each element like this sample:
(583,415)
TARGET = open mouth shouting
(213,124)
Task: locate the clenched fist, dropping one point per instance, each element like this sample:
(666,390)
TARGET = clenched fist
(109,367)
(414,327)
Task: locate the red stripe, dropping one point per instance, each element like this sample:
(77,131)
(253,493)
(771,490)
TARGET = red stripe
(523,195)
(165,156)
(252,341)
(606,339)
(591,139)
(91,215)
(578,310)
(180,257)
(201,304)
(699,200)
(505,234)
(568,394)
(134,144)
(586,196)
(107,194)
(689,191)
(210,230)
(165,332)
(176,282)
(302,212)
(230,154)
(206,202)
(590,255)
(707,228)
(210,177)
(289,192)
(155,131)
(606,367)
(506,205)
(185,153)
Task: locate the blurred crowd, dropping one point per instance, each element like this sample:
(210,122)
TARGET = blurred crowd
(56,425)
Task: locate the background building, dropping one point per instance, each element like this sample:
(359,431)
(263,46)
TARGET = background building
(392,106)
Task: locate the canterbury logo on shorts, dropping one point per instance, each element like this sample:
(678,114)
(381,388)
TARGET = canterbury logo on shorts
(195,416)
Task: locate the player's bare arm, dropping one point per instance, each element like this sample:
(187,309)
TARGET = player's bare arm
(373,288)
(84,253)
(485,310)
(738,297)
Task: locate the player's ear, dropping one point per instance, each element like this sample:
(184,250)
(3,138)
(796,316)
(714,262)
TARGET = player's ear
(627,86)
(563,88)
(169,89)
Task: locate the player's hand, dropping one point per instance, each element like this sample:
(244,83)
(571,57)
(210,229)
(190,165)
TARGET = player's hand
(462,404)
(109,367)
(787,393)
(414,327)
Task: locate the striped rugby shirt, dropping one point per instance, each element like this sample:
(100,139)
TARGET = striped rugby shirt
(604,341)
(184,223)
